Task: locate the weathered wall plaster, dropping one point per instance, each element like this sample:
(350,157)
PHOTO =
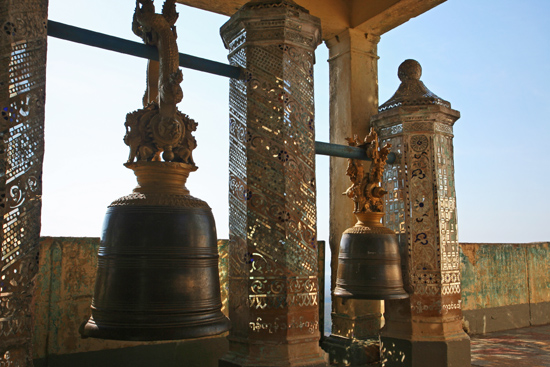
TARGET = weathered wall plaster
(505,286)
(64,292)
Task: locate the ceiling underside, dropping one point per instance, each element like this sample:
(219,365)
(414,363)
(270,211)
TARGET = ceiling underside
(369,16)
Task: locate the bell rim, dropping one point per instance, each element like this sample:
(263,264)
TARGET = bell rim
(398,294)
(159,332)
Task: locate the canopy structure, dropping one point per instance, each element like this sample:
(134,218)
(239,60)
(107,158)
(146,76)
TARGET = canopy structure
(369,16)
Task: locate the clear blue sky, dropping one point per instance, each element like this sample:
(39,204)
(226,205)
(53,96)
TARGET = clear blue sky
(490,59)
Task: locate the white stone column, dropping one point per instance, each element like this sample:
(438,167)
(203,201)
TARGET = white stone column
(353,65)
(426,329)
(273,286)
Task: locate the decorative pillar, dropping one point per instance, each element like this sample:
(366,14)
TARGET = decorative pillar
(426,329)
(353,63)
(273,286)
(23,46)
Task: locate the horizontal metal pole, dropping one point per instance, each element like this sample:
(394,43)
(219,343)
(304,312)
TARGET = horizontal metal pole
(106,42)
(345,151)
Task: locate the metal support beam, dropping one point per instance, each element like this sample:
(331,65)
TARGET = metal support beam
(344,151)
(106,42)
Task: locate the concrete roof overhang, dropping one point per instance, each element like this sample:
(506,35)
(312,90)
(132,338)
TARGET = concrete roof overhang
(369,16)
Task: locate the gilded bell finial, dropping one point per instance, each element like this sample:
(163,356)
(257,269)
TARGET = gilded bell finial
(159,128)
(365,190)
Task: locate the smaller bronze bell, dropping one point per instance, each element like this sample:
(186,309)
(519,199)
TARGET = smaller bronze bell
(369,264)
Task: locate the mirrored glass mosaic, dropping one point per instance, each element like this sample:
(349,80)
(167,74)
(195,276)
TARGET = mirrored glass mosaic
(22,82)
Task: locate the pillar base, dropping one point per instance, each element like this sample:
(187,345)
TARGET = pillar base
(352,352)
(415,353)
(250,353)
(227,363)
(224,363)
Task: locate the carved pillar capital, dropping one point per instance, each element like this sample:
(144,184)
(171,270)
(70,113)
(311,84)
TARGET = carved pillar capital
(262,23)
(353,41)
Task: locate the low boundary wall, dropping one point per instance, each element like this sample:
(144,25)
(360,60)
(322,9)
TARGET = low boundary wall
(64,289)
(63,293)
(505,286)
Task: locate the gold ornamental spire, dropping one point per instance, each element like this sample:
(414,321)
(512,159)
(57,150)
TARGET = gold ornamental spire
(159,127)
(365,190)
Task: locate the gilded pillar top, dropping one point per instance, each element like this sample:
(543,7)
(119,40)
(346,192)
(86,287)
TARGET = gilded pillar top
(255,4)
(412,90)
(266,21)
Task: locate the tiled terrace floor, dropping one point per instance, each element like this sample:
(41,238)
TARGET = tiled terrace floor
(513,348)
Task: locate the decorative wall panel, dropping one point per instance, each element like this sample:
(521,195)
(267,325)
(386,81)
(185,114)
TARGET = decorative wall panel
(22,95)
(505,285)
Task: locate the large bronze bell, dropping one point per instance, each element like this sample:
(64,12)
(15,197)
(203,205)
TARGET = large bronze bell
(369,264)
(157,274)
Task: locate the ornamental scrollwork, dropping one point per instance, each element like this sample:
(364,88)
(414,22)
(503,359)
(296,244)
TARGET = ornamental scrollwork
(159,127)
(366,191)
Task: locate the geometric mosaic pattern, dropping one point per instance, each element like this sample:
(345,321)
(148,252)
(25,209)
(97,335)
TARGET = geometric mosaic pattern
(273,284)
(421,207)
(421,202)
(22,83)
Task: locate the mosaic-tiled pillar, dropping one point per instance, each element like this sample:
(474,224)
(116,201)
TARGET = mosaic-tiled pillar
(273,286)
(426,329)
(23,46)
(353,64)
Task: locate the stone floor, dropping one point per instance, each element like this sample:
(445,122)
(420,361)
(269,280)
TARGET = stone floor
(513,348)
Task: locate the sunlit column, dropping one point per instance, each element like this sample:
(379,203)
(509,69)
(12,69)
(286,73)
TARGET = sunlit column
(273,287)
(353,65)
(425,330)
